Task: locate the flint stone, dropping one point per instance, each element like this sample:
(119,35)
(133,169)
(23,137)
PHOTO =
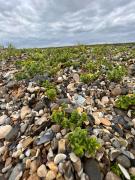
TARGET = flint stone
(92,169)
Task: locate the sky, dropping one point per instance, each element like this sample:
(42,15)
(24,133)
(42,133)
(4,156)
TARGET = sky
(45,23)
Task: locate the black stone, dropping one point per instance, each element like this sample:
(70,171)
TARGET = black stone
(40,105)
(118,129)
(92,169)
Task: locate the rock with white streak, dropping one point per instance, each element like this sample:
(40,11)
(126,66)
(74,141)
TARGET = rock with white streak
(124,171)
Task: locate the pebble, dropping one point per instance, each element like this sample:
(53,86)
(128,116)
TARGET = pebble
(132,171)
(41,120)
(42,171)
(76,77)
(71,87)
(28,163)
(25,111)
(12,135)
(59,158)
(73,157)
(61,146)
(33,177)
(133,122)
(55,128)
(33,166)
(111,176)
(51,175)
(23,127)
(105,100)
(124,161)
(116,91)
(16,172)
(92,169)
(40,106)
(3,119)
(131,70)
(52,166)
(78,99)
(105,121)
(26,142)
(60,80)
(4,130)
(48,136)
(58,136)
(2,150)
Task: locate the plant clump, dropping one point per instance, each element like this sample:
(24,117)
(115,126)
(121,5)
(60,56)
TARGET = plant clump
(125,102)
(116,74)
(91,66)
(74,120)
(81,143)
(51,94)
(79,140)
(89,77)
(50,89)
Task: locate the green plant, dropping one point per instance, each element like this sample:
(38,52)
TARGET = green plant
(58,116)
(20,76)
(91,66)
(74,120)
(89,77)
(132,177)
(116,74)
(133,113)
(116,170)
(47,85)
(51,93)
(81,143)
(125,102)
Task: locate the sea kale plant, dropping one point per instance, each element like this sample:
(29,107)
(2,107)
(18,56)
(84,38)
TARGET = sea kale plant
(50,90)
(51,94)
(79,140)
(89,77)
(81,143)
(125,102)
(72,121)
(117,73)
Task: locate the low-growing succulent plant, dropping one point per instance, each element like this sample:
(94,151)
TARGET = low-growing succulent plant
(20,76)
(125,102)
(47,85)
(58,116)
(72,121)
(91,66)
(81,143)
(117,73)
(89,77)
(76,120)
(51,94)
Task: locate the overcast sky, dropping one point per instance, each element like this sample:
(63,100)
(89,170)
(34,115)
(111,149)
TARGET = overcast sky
(41,23)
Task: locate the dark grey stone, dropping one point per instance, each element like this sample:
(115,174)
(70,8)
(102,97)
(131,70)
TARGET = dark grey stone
(124,161)
(92,169)
(48,136)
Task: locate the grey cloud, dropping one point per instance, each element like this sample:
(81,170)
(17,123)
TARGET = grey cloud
(38,23)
